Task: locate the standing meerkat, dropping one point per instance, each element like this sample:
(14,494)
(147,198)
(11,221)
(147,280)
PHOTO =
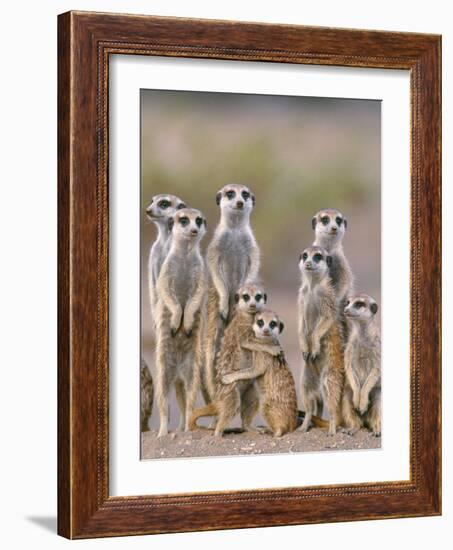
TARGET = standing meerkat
(330,227)
(159,211)
(361,404)
(181,290)
(274,379)
(242,396)
(320,339)
(233,258)
(146,395)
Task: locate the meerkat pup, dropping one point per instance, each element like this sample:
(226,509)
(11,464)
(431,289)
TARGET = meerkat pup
(275,382)
(242,396)
(181,290)
(146,395)
(330,227)
(160,210)
(361,402)
(320,339)
(233,258)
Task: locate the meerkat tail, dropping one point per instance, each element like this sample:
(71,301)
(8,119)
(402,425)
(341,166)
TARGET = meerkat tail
(317,420)
(208,410)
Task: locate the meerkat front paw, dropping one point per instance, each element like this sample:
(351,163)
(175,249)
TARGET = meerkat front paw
(228,378)
(376,434)
(175,324)
(363,404)
(306,356)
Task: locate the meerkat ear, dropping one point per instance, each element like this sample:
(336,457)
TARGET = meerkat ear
(205,223)
(282,326)
(373,308)
(253,199)
(236,298)
(170,223)
(329,261)
(313,222)
(265,298)
(345,221)
(218,197)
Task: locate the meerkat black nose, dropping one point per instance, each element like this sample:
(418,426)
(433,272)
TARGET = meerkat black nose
(194,231)
(334,229)
(239,204)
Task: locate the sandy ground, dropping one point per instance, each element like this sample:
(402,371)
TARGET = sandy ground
(203,443)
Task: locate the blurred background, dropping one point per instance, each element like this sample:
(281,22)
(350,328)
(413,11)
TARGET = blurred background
(297,154)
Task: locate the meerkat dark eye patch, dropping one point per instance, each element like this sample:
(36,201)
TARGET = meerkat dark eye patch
(373,308)
(245,195)
(258,297)
(304,256)
(317,258)
(339,221)
(181,205)
(246,297)
(359,305)
(164,204)
(325,220)
(199,222)
(184,221)
(272,324)
(230,194)
(260,323)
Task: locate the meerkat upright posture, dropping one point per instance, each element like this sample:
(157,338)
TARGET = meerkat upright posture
(322,378)
(233,259)
(361,402)
(146,395)
(159,210)
(181,289)
(274,379)
(330,226)
(243,396)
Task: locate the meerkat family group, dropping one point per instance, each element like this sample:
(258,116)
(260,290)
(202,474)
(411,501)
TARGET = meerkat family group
(215,334)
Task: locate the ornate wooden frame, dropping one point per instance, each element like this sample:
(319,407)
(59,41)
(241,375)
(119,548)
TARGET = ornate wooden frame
(85,42)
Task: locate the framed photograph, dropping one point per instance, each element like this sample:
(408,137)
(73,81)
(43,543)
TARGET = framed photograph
(249,275)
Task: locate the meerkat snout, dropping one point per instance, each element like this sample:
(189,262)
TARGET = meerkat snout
(267,323)
(361,308)
(314,258)
(250,298)
(163,206)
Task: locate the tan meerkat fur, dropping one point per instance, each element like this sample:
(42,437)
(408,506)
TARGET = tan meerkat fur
(330,227)
(146,395)
(181,289)
(320,341)
(160,209)
(242,396)
(361,403)
(278,399)
(233,258)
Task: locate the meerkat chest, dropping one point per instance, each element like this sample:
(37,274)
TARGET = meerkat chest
(234,248)
(312,310)
(336,269)
(156,258)
(364,361)
(185,277)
